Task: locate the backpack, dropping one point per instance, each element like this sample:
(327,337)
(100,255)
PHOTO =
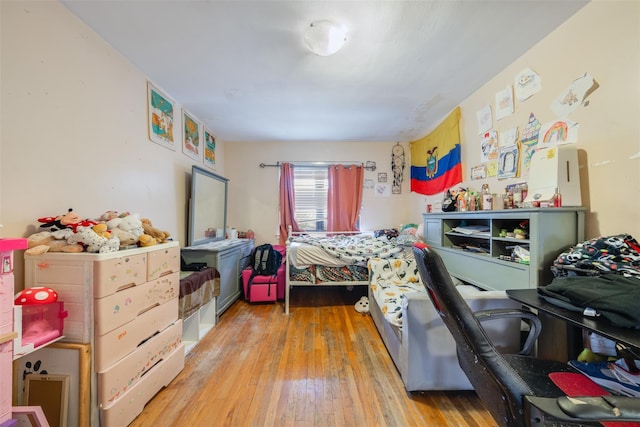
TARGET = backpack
(264,261)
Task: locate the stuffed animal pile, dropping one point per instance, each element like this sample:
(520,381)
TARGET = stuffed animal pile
(110,232)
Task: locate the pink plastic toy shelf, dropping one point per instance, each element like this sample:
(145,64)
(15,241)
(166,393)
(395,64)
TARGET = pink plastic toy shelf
(42,323)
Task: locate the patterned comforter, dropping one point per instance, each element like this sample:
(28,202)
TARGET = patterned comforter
(390,280)
(348,249)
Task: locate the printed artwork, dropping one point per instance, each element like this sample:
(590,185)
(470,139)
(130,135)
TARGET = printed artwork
(526,84)
(489,146)
(485,119)
(574,95)
(529,139)
(160,117)
(508,137)
(504,103)
(479,172)
(558,132)
(209,148)
(191,145)
(508,161)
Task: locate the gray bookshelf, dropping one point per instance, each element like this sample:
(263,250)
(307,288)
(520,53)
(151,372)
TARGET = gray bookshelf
(473,250)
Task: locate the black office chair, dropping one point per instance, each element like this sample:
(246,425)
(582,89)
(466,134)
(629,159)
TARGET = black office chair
(515,388)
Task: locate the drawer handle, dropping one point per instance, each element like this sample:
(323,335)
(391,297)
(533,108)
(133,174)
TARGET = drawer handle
(151,368)
(125,287)
(148,308)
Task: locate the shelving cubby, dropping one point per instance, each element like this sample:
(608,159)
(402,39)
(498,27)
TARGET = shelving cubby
(471,246)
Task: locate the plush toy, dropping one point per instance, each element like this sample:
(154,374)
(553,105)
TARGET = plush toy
(130,223)
(160,235)
(101,230)
(109,215)
(147,240)
(124,237)
(51,241)
(362,305)
(69,220)
(93,242)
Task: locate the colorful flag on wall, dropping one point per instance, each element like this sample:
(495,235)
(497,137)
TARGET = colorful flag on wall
(435,159)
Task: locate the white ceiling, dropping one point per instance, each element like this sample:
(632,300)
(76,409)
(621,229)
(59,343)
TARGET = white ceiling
(242,67)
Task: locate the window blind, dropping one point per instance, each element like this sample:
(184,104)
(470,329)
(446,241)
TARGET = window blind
(311,186)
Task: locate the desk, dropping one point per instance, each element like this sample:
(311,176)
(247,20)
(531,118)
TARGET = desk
(603,327)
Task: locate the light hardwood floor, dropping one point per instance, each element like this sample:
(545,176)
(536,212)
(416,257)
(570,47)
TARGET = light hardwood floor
(322,365)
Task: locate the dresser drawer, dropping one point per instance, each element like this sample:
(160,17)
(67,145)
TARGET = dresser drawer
(115,381)
(112,275)
(130,405)
(117,309)
(163,261)
(114,345)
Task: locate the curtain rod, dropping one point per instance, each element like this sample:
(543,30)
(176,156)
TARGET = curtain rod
(370,166)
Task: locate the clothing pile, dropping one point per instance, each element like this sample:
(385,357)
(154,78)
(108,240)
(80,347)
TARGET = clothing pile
(610,254)
(599,277)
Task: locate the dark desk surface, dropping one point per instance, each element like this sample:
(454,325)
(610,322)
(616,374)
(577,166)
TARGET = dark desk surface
(530,298)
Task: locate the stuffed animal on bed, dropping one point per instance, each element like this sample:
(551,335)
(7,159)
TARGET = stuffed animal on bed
(362,305)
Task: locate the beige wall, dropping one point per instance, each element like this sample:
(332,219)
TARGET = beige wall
(254,190)
(73,129)
(602,39)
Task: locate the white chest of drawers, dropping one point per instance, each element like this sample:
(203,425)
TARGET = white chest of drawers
(125,304)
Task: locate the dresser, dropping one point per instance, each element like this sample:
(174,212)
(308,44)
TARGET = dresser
(125,305)
(229,257)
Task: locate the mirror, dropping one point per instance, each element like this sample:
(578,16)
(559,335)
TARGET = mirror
(208,207)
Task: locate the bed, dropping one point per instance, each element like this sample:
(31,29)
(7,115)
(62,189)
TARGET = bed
(337,258)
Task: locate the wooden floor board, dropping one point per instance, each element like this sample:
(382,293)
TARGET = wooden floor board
(322,365)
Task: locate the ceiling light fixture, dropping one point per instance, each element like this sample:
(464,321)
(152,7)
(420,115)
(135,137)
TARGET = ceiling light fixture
(325,38)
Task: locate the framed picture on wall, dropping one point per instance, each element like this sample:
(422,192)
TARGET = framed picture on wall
(160,117)
(209,148)
(191,136)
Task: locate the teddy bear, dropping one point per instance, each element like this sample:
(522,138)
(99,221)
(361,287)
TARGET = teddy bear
(362,305)
(102,230)
(130,223)
(160,235)
(94,242)
(147,240)
(127,229)
(52,241)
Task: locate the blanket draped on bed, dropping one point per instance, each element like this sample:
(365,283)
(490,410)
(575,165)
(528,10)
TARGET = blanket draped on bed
(353,249)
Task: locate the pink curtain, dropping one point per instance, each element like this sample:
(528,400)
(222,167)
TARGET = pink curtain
(287,202)
(345,197)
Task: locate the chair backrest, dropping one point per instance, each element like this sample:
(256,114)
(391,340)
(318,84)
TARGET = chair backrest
(498,385)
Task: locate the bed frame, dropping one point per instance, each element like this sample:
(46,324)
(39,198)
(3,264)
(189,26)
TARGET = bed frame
(289,283)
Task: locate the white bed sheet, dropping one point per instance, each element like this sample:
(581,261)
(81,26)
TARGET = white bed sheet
(302,255)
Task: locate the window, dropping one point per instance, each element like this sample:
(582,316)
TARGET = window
(311,185)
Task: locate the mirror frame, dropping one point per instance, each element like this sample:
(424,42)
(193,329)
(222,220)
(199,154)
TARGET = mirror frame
(202,179)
